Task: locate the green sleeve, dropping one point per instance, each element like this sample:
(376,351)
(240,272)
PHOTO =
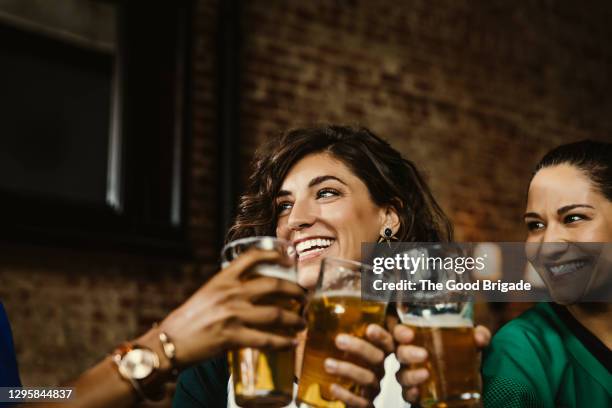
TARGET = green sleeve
(516,370)
(203,386)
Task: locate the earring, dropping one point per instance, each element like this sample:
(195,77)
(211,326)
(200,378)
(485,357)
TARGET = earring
(388,233)
(387,236)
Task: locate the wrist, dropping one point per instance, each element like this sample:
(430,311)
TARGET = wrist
(147,363)
(151,341)
(181,357)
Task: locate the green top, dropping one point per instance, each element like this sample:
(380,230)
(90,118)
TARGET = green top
(203,385)
(541,359)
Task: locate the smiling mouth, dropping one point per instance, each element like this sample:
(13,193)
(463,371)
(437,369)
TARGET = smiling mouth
(312,248)
(566,268)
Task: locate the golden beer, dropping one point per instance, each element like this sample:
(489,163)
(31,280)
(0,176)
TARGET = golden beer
(328,315)
(264,378)
(453,360)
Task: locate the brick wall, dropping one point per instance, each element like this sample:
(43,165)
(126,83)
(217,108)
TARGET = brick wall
(473,91)
(69,309)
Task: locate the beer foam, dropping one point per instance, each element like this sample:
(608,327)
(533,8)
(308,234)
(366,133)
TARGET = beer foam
(345,293)
(276,271)
(437,320)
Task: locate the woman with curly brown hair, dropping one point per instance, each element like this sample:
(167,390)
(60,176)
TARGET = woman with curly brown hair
(327,190)
(324,189)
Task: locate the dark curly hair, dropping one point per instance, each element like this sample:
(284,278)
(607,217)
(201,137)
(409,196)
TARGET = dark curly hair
(390,179)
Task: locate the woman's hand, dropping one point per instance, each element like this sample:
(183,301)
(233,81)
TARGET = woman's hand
(408,354)
(364,367)
(223,313)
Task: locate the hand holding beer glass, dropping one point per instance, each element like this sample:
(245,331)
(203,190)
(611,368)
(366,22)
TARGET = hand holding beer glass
(264,378)
(442,324)
(336,307)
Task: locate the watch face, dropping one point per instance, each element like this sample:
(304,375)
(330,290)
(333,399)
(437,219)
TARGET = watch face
(139,363)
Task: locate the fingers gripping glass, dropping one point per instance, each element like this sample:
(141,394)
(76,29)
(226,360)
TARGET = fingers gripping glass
(443,325)
(264,378)
(336,307)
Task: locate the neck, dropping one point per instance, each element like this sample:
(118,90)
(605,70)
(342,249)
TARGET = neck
(596,317)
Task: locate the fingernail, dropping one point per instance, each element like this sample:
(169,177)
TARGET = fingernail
(334,389)
(330,365)
(342,340)
(420,353)
(403,333)
(421,375)
(400,333)
(374,331)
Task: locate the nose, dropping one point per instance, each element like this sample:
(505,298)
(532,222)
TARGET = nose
(302,215)
(555,242)
(555,233)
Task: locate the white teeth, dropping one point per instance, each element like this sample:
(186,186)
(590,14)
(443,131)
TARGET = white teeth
(319,243)
(567,267)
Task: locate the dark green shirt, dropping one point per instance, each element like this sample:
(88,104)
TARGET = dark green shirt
(545,358)
(203,386)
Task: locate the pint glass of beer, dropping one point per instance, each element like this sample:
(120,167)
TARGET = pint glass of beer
(336,307)
(443,325)
(264,378)
(446,331)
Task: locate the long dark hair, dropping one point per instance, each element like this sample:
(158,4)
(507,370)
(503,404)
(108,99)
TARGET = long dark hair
(390,179)
(594,159)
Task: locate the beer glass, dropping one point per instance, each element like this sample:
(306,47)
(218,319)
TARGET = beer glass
(336,307)
(264,378)
(443,325)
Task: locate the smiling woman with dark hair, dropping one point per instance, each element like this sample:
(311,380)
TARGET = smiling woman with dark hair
(327,190)
(558,354)
(382,178)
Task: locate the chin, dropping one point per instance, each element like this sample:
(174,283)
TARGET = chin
(567,296)
(308,275)
(565,300)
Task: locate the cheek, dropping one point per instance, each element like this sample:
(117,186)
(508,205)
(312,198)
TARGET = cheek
(368,225)
(363,218)
(600,232)
(531,250)
(354,226)
(281,229)
(608,231)
(338,214)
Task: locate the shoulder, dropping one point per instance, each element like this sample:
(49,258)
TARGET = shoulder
(203,385)
(525,359)
(535,331)
(9,375)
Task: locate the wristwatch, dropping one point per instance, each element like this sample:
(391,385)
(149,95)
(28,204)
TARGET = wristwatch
(138,365)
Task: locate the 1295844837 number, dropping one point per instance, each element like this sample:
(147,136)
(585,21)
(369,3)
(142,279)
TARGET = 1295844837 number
(26,394)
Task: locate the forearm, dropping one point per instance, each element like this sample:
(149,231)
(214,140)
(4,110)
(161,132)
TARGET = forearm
(103,385)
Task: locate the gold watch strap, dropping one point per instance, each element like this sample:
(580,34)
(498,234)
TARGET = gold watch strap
(170,352)
(140,386)
(117,356)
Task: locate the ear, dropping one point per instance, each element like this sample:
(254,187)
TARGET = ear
(389,219)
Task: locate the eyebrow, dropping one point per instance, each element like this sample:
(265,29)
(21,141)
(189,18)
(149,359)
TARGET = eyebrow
(560,211)
(567,208)
(312,183)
